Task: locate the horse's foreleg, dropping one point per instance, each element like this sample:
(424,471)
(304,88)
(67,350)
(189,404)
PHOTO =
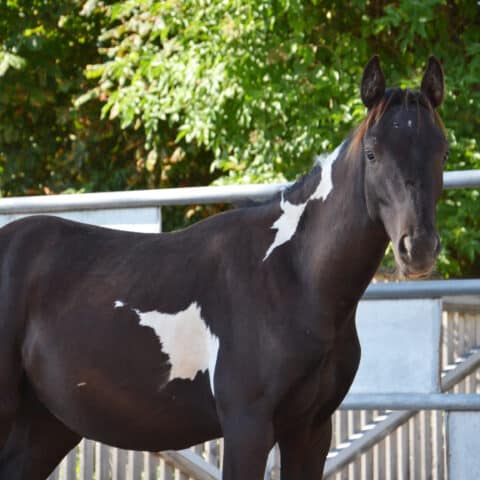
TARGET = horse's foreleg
(36,444)
(317,451)
(248,439)
(304,451)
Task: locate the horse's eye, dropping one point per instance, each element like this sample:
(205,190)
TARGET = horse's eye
(370,155)
(445,156)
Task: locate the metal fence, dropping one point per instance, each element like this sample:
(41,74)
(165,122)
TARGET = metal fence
(367,444)
(411,444)
(176,196)
(92,460)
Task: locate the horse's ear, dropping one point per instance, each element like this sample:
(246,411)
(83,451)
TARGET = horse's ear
(373,83)
(433,82)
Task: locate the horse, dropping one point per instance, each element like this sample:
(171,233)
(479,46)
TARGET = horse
(241,326)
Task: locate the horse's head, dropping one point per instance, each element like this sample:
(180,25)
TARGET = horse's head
(404,149)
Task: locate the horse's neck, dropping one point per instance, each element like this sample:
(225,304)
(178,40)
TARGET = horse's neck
(338,246)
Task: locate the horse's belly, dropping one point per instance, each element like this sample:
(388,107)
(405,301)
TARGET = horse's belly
(115,385)
(180,414)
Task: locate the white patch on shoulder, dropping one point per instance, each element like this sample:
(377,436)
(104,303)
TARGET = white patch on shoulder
(119,304)
(286,225)
(186,339)
(326,183)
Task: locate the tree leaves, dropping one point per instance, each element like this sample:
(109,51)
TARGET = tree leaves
(9,60)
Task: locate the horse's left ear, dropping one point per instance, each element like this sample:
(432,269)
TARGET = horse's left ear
(373,83)
(433,82)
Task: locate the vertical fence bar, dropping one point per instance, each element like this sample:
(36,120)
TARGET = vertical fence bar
(119,463)
(167,471)
(350,419)
(71,464)
(134,465)
(344,437)
(151,466)
(381,460)
(368,457)
(86,459)
(437,455)
(406,450)
(102,462)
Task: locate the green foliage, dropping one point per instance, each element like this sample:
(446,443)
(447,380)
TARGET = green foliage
(248,81)
(47,144)
(196,91)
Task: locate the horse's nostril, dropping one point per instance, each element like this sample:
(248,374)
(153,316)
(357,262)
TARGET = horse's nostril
(418,249)
(405,247)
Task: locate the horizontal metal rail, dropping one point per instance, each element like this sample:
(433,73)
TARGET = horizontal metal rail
(176,196)
(461,179)
(422,289)
(343,457)
(411,401)
(137,198)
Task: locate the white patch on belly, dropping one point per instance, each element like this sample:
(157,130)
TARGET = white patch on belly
(186,339)
(286,225)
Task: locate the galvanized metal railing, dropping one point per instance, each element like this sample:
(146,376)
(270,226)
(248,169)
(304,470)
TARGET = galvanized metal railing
(423,289)
(412,442)
(176,196)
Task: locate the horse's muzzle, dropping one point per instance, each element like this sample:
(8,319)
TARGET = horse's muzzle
(418,254)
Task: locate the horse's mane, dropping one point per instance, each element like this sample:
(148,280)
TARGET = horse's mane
(299,190)
(294,192)
(304,185)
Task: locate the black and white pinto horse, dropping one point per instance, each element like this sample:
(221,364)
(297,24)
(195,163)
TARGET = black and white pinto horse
(240,326)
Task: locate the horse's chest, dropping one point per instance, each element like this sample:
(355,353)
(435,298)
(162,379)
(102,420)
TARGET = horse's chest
(323,387)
